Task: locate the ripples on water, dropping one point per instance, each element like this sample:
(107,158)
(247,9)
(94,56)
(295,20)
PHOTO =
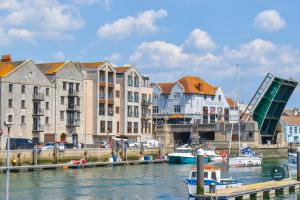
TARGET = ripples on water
(138,182)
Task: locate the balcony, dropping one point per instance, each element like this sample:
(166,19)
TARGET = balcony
(146,102)
(73,93)
(38,112)
(38,128)
(146,116)
(73,107)
(110,112)
(38,96)
(73,123)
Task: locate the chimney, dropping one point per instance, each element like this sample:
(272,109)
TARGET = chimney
(6,58)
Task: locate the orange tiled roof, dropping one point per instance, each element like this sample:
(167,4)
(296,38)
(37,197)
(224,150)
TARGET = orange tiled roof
(176,116)
(195,85)
(51,68)
(166,87)
(121,69)
(92,65)
(231,103)
(7,67)
(291,120)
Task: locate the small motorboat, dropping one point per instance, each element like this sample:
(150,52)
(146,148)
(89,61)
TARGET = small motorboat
(185,155)
(212,176)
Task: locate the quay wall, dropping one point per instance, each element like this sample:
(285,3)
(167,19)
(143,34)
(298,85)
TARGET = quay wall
(25,157)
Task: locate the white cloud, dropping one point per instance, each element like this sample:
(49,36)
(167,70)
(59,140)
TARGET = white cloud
(104,3)
(115,57)
(58,55)
(142,23)
(199,39)
(38,19)
(269,20)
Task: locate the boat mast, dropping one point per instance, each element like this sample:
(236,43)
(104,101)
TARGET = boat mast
(238,107)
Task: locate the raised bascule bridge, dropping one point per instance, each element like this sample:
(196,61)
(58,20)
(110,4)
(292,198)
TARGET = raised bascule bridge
(267,105)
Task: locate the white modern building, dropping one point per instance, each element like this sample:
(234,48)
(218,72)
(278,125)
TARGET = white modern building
(189,100)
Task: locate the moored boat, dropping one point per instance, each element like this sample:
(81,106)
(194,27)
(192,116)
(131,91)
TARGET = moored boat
(212,176)
(192,159)
(248,158)
(179,152)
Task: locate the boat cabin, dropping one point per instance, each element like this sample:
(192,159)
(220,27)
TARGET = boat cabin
(210,173)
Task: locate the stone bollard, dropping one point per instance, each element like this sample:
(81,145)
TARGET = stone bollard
(86,156)
(200,171)
(298,163)
(19,159)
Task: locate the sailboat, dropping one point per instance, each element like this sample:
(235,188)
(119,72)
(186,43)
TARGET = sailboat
(246,158)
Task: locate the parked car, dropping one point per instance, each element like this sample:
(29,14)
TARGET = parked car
(48,145)
(21,143)
(101,144)
(132,144)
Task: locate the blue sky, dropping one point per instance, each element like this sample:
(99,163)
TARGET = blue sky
(164,39)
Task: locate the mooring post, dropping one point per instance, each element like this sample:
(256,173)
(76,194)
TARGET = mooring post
(298,163)
(200,171)
(35,154)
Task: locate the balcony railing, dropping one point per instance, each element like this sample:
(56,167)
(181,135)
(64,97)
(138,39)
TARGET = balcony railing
(146,102)
(38,111)
(73,107)
(38,96)
(73,93)
(101,112)
(73,123)
(38,127)
(110,112)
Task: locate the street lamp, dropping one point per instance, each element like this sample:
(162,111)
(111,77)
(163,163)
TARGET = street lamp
(8,125)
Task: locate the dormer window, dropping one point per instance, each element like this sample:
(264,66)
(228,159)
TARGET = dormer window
(177,95)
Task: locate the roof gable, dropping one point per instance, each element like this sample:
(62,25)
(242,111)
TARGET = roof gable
(8,67)
(166,88)
(195,85)
(51,68)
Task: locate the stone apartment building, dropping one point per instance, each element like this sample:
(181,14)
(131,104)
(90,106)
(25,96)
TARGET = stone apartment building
(135,104)
(67,102)
(25,101)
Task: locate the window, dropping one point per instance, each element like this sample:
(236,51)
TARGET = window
(135,127)
(23,104)
(205,97)
(22,119)
(136,111)
(136,81)
(118,93)
(77,87)
(47,105)
(47,91)
(64,85)
(62,100)
(47,120)
(10,103)
(155,96)
(118,127)
(136,97)
(219,97)
(129,127)
(62,115)
(129,96)
(149,129)
(291,130)
(78,116)
(102,126)
(129,110)
(155,109)
(177,109)
(212,98)
(78,101)
(109,126)
(295,129)
(129,80)
(117,109)
(177,95)
(10,88)
(23,89)
(10,118)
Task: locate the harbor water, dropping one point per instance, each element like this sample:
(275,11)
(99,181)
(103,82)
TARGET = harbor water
(153,181)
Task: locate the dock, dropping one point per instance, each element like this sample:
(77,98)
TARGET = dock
(76,166)
(253,191)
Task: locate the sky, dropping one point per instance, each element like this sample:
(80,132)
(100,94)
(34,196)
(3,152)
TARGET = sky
(163,39)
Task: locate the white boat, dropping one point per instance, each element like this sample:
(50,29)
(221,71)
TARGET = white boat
(248,158)
(212,176)
(213,156)
(180,152)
